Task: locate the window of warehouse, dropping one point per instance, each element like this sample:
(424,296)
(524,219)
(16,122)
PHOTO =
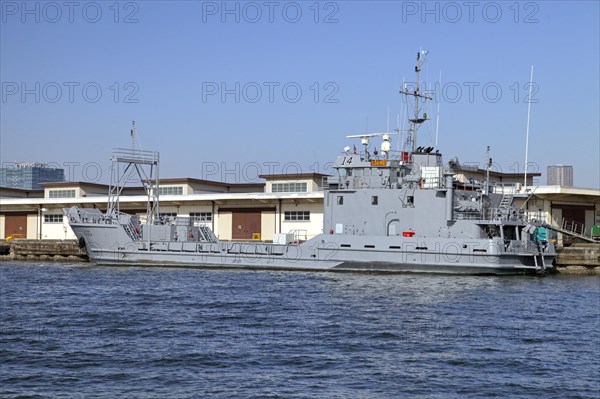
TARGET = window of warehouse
(61,193)
(53,218)
(175,190)
(289,187)
(201,216)
(296,215)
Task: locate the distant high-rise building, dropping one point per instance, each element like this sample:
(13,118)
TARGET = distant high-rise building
(28,176)
(560,175)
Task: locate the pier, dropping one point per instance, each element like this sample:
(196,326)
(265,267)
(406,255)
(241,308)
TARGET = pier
(579,258)
(35,250)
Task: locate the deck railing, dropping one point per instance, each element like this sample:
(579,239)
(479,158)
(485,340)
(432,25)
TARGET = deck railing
(505,188)
(573,227)
(499,214)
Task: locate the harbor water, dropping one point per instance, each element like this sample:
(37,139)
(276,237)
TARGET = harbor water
(78,330)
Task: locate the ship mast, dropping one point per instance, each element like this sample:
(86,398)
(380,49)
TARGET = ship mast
(411,138)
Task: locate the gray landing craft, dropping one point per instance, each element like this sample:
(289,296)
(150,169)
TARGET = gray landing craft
(389,211)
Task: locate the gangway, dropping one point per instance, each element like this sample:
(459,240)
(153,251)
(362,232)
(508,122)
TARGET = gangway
(573,229)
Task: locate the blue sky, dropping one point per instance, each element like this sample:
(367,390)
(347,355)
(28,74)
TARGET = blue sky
(165,65)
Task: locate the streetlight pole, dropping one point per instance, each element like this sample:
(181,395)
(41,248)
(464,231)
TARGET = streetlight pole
(40,210)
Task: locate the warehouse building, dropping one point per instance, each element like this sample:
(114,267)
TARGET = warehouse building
(285,203)
(235,211)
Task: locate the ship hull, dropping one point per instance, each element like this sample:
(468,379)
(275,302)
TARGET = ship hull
(351,267)
(335,253)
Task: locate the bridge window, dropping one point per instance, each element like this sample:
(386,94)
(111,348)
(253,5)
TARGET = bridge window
(374,200)
(340,200)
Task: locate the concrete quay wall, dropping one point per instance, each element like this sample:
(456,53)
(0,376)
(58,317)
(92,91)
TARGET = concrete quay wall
(52,250)
(579,258)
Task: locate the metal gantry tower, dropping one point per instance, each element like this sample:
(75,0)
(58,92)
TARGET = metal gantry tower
(131,166)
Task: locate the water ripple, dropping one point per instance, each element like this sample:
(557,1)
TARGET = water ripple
(83,331)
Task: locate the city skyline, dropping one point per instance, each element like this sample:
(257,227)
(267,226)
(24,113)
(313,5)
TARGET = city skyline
(560,175)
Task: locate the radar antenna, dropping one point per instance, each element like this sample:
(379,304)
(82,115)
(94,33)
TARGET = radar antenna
(364,139)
